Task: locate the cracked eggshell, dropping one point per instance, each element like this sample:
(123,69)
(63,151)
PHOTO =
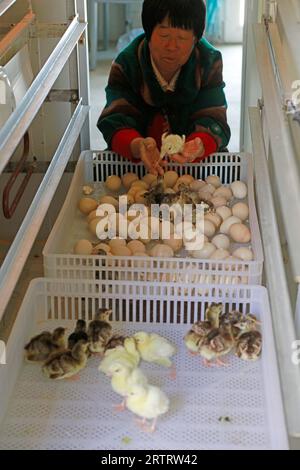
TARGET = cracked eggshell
(239,233)
(225,227)
(239,189)
(224,212)
(221,241)
(240,210)
(245,254)
(214,180)
(87,205)
(104,247)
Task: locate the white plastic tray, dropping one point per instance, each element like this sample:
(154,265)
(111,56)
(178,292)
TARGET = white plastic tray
(37,413)
(59,262)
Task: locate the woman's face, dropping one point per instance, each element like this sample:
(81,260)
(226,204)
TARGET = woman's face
(170,47)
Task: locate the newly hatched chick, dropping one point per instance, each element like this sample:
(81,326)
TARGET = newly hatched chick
(123,378)
(65,364)
(78,334)
(234,317)
(171,144)
(249,346)
(148,402)
(154,348)
(127,355)
(114,342)
(216,344)
(195,337)
(99,331)
(43,345)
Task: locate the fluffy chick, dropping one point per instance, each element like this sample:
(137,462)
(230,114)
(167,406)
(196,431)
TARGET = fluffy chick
(148,402)
(154,348)
(126,355)
(78,334)
(66,364)
(217,343)
(195,337)
(249,346)
(40,347)
(114,342)
(123,378)
(99,331)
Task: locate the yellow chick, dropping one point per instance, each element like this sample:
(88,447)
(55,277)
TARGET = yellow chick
(66,364)
(148,402)
(99,331)
(123,378)
(154,348)
(127,355)
(40,347)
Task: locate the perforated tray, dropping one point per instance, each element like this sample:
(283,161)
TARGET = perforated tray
(70,226)
(43,414)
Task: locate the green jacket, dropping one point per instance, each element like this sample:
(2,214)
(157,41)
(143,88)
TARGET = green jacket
(134,95)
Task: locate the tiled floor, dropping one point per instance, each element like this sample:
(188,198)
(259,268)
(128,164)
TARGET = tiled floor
(232,59)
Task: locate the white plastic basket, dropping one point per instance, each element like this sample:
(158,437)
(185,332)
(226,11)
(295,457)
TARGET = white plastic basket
(37,413)
(59,262)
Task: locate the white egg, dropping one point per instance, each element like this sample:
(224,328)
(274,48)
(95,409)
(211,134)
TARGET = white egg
(214,180)
(239,233)
(220,254)
(239,189)
(113,183)
(245,254)
(227,224)
(83,247)
(221,241)
(209,228)
(224,212)
(162,251)
(205,253)
(241,210)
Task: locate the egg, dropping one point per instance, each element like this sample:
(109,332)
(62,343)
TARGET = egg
(240,233)
(220,254)
(115,243)
(170,179)
(239,189)
(185,179)
(121,250)
(83,247)
(93,225)
(221,241)
(128,179)
(209,228)
(113,183)
(205,253)
(205,195)
(140,253)
(136,246)
(218,201)
(240,210)
(214,180)
(223,191)
(139,196)
(139,184)
(197,185)
(208,188)
(174,243)
(227,224)
(245,254)
(109,200)
(224,212)
(149,178)
(216,219)
(162,251)
(91,216)
(87,205)
(102,246)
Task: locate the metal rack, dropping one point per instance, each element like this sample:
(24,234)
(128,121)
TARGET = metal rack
(71,51)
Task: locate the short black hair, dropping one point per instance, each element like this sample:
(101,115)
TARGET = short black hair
(185,14)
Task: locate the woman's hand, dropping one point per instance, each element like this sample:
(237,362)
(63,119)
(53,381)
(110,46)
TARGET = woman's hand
(192,150)
(146,149)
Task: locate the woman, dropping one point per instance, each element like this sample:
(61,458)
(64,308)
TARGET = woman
(167,80)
